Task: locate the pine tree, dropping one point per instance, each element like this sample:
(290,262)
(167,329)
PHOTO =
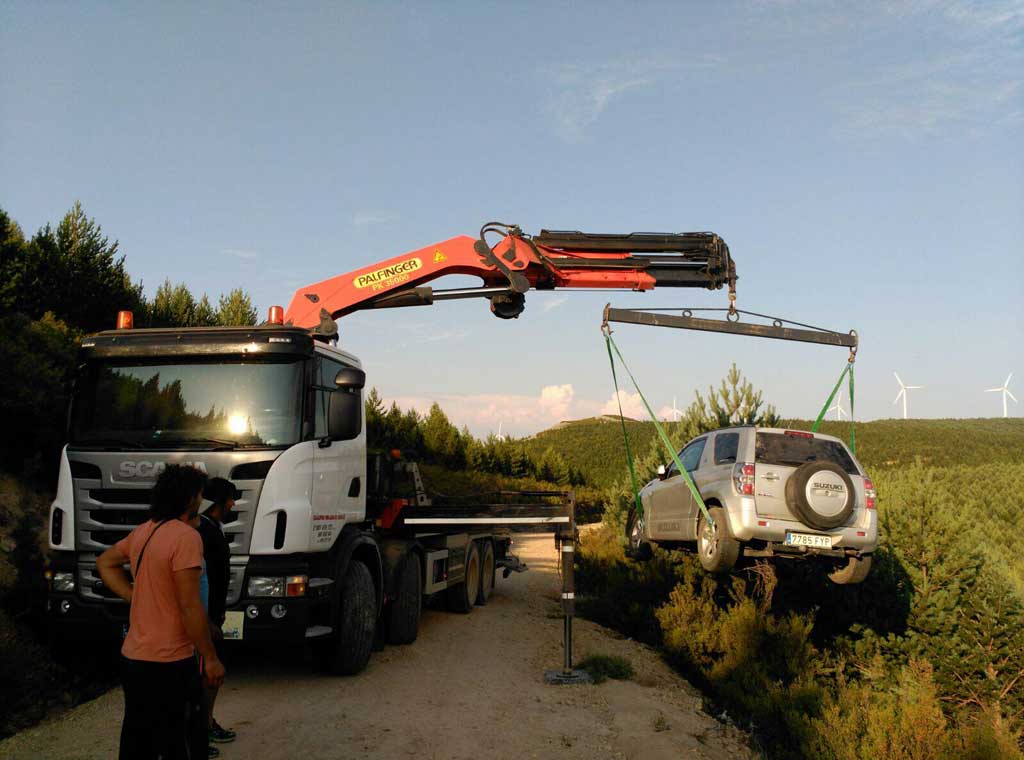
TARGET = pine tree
(236,309)
(204,314)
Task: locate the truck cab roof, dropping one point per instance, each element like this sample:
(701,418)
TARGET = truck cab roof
(263,340)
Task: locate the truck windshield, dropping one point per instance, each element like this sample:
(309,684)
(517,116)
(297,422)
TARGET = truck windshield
(781,449)
(214,404)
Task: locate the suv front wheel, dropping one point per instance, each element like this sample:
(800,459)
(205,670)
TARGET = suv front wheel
(638,548)
(718,550)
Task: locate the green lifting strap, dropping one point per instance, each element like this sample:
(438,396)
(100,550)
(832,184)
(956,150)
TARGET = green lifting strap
(657,426)
(625,437)
(848,369)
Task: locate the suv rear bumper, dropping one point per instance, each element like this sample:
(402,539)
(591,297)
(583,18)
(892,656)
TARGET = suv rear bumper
(747,525)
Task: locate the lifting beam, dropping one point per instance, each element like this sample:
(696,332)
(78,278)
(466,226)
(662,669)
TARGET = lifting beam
(775,330)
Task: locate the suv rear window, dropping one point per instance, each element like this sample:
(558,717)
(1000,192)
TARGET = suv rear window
(781,449)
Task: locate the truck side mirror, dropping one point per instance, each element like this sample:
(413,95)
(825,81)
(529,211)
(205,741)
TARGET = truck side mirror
(662,472)
(345,411)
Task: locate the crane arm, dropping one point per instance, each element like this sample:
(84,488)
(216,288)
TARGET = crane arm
(517,263)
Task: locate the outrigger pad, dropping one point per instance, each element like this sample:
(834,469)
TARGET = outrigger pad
(567,678)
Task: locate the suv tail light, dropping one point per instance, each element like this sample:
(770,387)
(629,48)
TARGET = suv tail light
(743,477)
(869,494)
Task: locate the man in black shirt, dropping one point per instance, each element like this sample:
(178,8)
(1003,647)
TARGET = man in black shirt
(217,553)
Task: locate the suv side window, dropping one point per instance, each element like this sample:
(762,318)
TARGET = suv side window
(726,447)
(690,457)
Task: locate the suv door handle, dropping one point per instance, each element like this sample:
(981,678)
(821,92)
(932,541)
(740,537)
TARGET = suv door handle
(770,476)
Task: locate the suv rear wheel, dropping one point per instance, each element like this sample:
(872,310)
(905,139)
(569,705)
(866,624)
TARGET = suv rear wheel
(855,570)
(718,550)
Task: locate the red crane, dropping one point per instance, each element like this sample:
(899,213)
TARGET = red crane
(517,263)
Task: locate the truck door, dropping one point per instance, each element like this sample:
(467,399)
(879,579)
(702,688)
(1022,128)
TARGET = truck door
(338,466)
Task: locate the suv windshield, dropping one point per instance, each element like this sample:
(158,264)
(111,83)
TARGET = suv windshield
(795,450)
(211,404)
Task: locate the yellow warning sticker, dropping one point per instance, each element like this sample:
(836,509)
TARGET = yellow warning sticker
(439,257)
(387,277)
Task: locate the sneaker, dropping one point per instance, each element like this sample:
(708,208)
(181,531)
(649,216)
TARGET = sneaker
(220,734)
(212,752)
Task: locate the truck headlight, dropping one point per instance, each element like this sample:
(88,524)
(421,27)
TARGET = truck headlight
(291,585)
(62,583)
(266,587)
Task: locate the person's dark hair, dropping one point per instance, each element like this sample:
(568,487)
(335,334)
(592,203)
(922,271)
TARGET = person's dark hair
(219,490)
(174,490)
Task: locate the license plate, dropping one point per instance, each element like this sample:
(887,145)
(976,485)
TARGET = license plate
(234,622)
(806,539)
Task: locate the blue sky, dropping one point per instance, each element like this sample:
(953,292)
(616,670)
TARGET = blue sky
(863,161)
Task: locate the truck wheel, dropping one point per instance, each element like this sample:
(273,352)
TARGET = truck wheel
(718,550)
(348,649)
(486,573)
(462,596)
(403,613)
(855,570)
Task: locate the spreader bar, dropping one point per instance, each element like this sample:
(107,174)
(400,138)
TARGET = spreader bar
(777,331)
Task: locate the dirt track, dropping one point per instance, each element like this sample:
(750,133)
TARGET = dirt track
(470,687)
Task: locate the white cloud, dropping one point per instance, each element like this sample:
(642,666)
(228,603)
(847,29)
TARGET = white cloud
(517,414)
(366,217)
(553,303)
(583,92)
(975,86)
(632,405)
(240,253)
(555,400)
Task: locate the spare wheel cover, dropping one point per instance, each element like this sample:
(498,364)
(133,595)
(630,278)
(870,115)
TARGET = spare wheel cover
(822,494)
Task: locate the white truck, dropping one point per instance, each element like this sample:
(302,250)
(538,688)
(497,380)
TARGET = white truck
(330,544)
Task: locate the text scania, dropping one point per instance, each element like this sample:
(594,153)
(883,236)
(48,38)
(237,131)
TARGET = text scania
(387,277)
(146,469)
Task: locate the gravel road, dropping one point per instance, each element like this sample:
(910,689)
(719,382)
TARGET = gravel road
(470,687)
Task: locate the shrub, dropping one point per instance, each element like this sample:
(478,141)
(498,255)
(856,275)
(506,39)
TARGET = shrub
(601,667)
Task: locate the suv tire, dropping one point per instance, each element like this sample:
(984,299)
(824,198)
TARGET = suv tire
(637,548)
(855,570)
(718,551)
(796,495)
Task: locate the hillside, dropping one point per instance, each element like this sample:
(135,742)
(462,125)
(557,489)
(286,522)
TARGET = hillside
(595,445)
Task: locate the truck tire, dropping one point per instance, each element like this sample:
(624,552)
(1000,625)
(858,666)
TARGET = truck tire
(855,570)
(826,507)
(462,596)
(718,551)
(348,649)
(403,612)
(486,572)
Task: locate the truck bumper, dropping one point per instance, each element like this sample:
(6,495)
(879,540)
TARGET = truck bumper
(857,539)
(262,619)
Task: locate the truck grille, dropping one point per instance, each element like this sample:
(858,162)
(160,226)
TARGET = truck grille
(105,515)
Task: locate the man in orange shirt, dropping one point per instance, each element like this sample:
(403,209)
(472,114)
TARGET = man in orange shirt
(164,712)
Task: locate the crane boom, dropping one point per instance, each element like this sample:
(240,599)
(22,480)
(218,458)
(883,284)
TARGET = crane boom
(519,262)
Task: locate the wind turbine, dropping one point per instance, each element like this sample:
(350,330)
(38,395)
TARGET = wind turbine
(500,436)
(838,408)
(1005,390)
(903,393)
(674,410)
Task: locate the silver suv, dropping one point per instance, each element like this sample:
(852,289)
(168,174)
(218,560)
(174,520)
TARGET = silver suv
(770,492)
